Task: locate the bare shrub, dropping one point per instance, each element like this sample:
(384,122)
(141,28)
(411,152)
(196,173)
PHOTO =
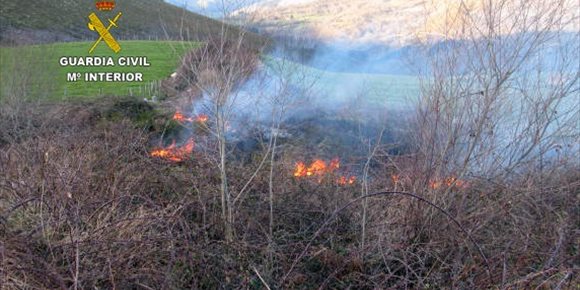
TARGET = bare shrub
(496,111)
(83,205)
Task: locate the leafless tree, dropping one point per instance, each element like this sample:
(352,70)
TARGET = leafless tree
(231,83)
(500,92)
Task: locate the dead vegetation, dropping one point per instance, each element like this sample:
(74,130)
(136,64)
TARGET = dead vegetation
(84,206)
(207,63)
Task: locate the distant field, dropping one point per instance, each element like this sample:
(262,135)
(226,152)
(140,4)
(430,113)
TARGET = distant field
(36,68)
(381,89)
(346,88)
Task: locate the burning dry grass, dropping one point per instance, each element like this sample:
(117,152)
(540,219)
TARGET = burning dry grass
(181,118)
(85,205)
(320,169)
(173,152)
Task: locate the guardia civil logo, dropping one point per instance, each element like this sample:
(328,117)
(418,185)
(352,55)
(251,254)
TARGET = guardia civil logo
(104,32)
(89,68)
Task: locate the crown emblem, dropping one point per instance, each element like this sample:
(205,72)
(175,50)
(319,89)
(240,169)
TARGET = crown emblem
(105,5)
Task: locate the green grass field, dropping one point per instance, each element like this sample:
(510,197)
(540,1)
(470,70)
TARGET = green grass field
(394,91)
(36,69)
(34,72)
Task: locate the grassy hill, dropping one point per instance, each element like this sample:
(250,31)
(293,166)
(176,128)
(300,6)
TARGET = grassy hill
(52,29)
(35,69)
(42,21)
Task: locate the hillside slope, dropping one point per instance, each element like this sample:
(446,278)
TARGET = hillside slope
(42,21)
(390,22)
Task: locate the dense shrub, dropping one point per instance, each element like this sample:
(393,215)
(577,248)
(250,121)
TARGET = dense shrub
(84,206)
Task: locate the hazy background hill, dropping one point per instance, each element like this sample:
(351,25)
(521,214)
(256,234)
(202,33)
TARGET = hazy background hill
(42,21)
(393,23)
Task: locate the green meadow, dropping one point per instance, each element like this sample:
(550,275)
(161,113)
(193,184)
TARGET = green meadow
(366,89)
(34,71)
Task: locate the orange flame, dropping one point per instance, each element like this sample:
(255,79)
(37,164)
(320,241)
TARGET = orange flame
(343,180)
(447,182)
(334,164)
(178,116)
(174,153)
(201,118)
(300,169)
(319,168)
(396,179)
